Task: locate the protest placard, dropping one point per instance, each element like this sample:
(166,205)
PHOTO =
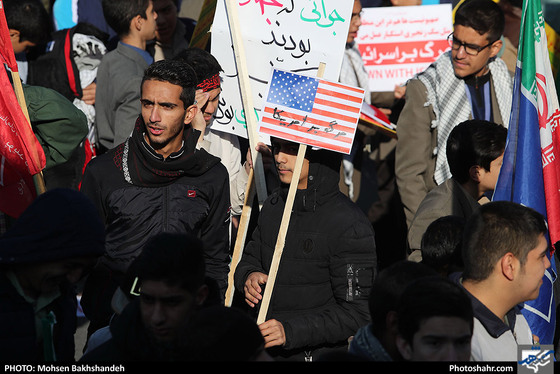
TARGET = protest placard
(312,111)
(283,34)
(398,42)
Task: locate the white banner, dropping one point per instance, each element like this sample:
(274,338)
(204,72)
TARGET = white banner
(285,34)
(400,41)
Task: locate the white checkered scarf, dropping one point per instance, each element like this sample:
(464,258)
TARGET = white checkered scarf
(353,71)
(448,97)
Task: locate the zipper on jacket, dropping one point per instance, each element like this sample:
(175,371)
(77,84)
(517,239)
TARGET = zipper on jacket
(165,205)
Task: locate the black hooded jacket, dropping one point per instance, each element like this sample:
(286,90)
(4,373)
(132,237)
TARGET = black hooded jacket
(139,194)
(328,262)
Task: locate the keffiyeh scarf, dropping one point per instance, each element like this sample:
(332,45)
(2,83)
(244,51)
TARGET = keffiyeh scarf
(451,105)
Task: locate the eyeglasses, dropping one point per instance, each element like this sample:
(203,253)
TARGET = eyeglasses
(470,49)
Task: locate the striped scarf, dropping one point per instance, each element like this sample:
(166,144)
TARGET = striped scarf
(451,105)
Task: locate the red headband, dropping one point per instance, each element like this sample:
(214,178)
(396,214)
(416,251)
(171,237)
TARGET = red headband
(209,83)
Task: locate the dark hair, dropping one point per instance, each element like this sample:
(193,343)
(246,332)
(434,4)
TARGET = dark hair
(175,72)
(30,18)
(495,229)
(176,259)
(175,2)
(514,3)
(388,287)
(484,16)
(59,224)
(431,297)
(119,13)
(441,241)
(474,142)
(204,64)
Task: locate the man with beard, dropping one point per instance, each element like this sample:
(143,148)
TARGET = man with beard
(467,82)
(170,284)
(157,181)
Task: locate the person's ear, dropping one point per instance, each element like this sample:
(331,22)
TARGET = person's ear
(508,265)
(475,173)
(190,113)
(495,48)
(14,35)
(137,22)
(404,348)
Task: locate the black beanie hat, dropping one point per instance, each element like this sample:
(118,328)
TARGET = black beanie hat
(59,224)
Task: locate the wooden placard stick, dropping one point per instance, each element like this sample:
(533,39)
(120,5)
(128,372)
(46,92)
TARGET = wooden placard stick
(18,89)
(281,240)
(247,99)
(241,236)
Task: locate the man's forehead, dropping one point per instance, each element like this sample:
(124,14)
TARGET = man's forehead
(470,34)
(156,86)
(161,289)
(162,4)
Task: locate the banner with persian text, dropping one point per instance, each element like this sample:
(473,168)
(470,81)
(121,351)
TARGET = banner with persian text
(400,41)
(295,36)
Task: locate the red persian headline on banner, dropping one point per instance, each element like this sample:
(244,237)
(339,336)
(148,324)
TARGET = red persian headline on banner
(311,111)
(402,53)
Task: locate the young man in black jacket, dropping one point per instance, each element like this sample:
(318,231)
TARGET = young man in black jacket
(157,181)
(329,261)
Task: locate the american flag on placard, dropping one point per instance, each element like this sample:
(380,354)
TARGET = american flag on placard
(311,111)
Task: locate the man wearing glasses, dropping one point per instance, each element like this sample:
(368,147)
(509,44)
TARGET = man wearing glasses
(466,82)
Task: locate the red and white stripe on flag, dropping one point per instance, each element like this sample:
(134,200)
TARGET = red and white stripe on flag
(326,117)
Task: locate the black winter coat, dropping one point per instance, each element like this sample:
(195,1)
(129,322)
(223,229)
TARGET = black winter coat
(196,203)
(328,262)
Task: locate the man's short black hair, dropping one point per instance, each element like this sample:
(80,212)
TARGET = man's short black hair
(431,297)
(484,16)
(388,288)
(204,63)
(496,228)
(441,244)
(30,18)
(474,142)
(119,13)
(176,259)
(175,72)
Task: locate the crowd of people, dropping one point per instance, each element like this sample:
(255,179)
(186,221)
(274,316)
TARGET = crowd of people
(144,198)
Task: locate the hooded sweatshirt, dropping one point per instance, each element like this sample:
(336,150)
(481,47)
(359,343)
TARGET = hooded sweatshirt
(328,262)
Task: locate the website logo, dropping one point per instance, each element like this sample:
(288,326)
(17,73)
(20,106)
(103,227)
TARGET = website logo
(533,359)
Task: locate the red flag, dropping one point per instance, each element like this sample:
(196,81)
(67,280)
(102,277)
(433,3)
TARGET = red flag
(6,49)
(21,155)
